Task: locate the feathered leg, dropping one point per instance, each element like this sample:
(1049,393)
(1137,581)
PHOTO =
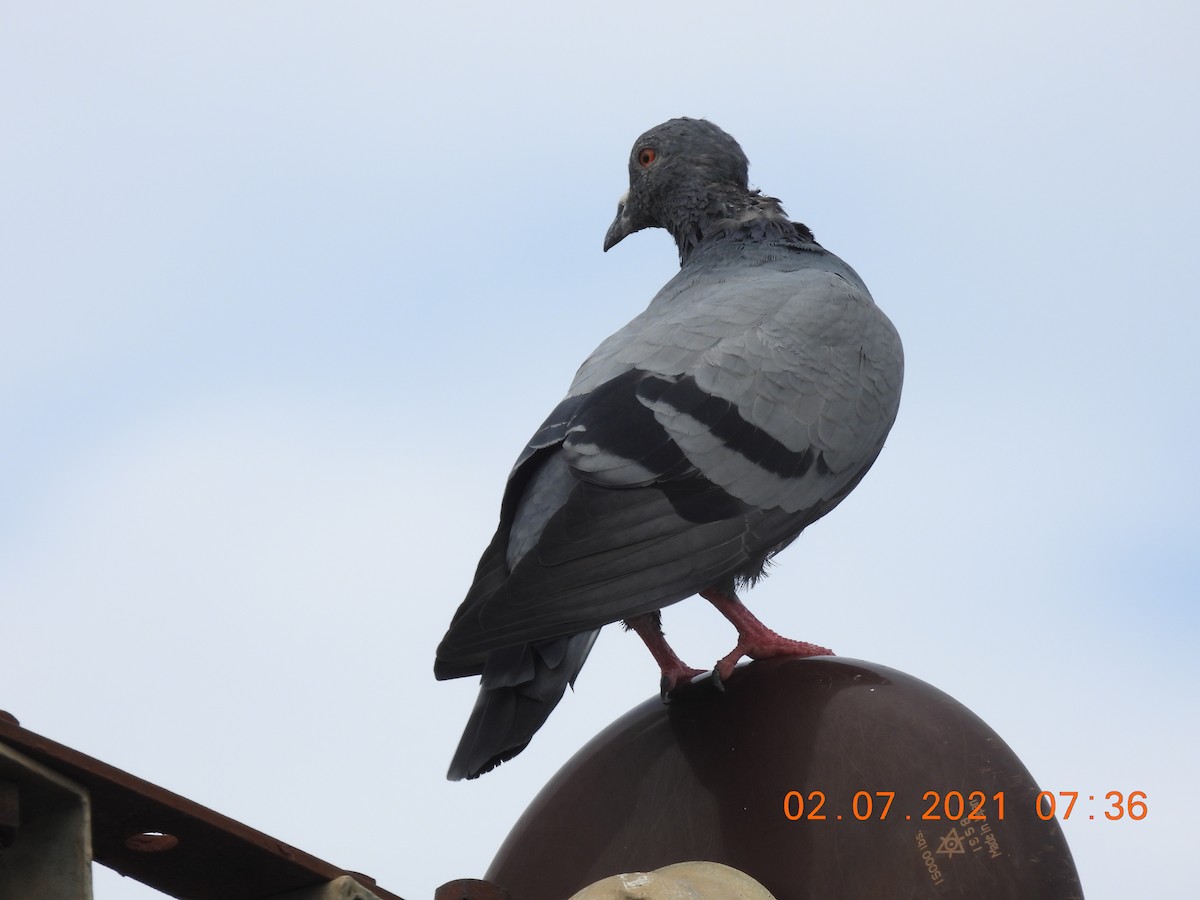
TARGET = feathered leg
(674,670)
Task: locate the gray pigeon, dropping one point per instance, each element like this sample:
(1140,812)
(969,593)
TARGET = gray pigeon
(694,444)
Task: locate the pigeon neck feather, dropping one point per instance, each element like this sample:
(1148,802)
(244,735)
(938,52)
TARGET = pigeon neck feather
(733,213)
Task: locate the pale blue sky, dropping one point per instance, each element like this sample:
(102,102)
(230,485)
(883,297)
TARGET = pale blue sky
(286,286)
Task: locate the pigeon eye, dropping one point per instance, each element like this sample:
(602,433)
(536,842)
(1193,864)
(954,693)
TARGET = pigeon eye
(646,156)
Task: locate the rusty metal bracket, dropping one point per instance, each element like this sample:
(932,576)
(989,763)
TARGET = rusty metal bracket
(168,842)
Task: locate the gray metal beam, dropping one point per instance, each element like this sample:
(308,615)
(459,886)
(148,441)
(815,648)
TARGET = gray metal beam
(45,832)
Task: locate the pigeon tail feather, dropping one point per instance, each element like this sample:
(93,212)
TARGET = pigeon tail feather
(519,689)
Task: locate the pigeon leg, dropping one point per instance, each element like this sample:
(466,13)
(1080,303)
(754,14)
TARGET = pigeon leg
(649,628)
(755,639)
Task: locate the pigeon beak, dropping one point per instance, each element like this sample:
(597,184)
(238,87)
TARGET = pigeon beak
(621,227)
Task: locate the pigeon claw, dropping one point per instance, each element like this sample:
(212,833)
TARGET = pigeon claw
(674,676)
(767,646)
(717,681)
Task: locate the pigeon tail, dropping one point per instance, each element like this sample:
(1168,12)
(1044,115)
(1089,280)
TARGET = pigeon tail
(519,689)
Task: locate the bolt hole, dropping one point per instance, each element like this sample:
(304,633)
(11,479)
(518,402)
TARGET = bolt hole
(151,842)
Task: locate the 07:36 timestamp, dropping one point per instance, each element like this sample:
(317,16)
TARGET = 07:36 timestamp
(1121,806)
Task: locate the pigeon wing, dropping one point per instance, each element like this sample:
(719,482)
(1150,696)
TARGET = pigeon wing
(714,444)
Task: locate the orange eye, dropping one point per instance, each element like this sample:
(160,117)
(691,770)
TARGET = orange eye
(646,156)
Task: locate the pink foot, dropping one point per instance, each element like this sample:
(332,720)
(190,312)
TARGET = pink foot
(755,639)
(674,670)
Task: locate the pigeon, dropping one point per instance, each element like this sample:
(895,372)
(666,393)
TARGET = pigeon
(695,443)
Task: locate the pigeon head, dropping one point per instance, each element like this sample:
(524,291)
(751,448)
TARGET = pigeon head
(685,175)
